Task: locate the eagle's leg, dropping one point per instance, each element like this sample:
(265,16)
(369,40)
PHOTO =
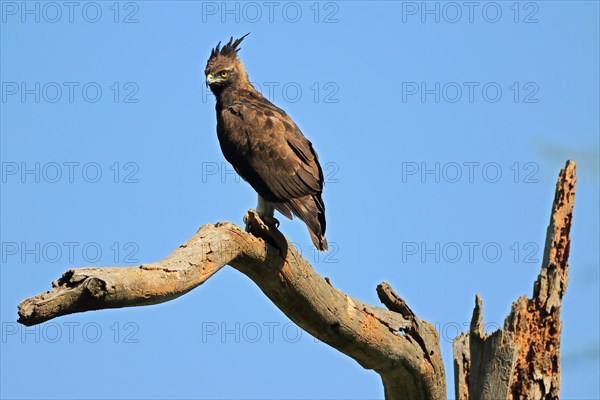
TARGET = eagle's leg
(266,211)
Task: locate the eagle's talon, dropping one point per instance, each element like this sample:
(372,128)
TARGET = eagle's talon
(271,222)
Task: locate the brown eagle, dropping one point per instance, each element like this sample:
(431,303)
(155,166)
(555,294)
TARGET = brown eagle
(265,146)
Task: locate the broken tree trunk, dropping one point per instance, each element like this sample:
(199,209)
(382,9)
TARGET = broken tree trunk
(403,349)
(522,361)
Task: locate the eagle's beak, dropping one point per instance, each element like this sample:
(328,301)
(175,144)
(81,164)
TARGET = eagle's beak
(210,79)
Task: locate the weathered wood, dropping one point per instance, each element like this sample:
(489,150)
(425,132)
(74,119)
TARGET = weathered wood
(462,366)
(483,363)
(535,322)
(522,361)
(401,348)
(425,335)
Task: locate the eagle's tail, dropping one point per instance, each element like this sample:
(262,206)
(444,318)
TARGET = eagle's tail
(311,210)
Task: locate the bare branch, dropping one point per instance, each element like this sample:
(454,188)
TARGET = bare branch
(425,336)
(401,348)
(86,289)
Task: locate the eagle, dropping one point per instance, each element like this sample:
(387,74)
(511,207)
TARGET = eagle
(264,145)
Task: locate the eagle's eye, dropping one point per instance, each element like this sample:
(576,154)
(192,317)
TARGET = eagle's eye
(224,74)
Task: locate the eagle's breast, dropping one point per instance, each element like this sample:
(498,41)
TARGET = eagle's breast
(233,138)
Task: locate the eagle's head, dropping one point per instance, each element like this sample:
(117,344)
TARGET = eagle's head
(224,68)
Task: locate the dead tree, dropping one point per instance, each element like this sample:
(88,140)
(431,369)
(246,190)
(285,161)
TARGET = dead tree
(521,361)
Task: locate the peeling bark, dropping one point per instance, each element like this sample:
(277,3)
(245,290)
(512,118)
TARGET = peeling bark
(522,361)
(535,322)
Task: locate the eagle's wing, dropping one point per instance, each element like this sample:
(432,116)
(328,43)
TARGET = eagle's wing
(274,156)
(269,151)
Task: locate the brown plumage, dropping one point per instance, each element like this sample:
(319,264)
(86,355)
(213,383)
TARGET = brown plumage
(265,146)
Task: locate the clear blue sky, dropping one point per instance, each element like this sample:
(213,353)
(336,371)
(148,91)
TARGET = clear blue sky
(441,131)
